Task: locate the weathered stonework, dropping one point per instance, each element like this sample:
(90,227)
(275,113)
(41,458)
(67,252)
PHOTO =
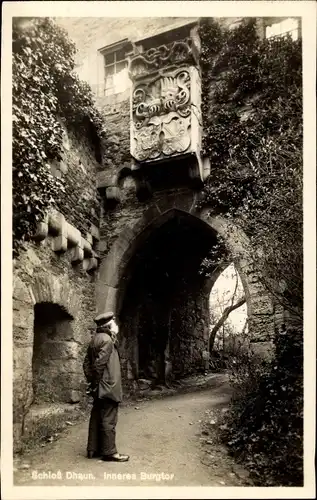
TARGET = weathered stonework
(53,292)
(67,237)
(144,228)
(161,117)
(189,313)
(165,103)
(174,53)
(42,278)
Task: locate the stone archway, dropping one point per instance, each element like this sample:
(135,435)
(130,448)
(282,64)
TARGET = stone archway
(111,287)
(58,295)
(55,353)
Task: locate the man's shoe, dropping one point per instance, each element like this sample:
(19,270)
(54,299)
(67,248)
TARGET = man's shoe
(116,457)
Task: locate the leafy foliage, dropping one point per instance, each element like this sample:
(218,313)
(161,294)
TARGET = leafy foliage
(252,113)
(264,427)
(47,94)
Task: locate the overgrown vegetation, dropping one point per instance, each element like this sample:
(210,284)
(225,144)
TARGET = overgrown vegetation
(264,428)
(47,95)
(252,113)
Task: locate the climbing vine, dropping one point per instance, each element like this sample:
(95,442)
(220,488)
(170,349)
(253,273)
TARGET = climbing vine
(252,114)
(47,95)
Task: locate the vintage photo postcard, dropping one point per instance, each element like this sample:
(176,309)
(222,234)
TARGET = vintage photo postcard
(158,249)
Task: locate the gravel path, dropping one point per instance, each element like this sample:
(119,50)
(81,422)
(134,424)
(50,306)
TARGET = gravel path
(163,438)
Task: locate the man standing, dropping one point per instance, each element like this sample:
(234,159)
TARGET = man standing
(103,373)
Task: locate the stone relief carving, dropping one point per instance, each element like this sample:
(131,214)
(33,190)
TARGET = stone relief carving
(166,55)
(162,116)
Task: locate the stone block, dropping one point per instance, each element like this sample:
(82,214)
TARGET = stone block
(59,244)
(56,222)
(89,238)
(103,246)
(23,315)
(130,375)
(92,264)
(77,255)
(85,264)
(63,167)
(73,235)
(63,383)
(183,201)
(104,179)
(22,391)
(21,291)
(86,247)
(106,298)
(61,350)
(75,397)
(42,288)
(54,368)
(127,236)
(165,202)
(110,267)
(17,435)
(22,361)
(54,169)
(56,172)
(113,194)
(94,232)
(23,334)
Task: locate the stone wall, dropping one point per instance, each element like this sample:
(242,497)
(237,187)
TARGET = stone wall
(54,291)
(57,290)
(125,225)
(81,203)
(117,150)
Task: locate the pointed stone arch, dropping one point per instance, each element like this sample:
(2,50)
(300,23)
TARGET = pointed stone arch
(108,290)
(115,270)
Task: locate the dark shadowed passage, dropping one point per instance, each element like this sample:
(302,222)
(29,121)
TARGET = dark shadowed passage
(164,312)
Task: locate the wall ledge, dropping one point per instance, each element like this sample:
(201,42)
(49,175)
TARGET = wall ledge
(68,237)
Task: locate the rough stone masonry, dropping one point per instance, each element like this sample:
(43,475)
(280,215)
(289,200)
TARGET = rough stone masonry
(128,236)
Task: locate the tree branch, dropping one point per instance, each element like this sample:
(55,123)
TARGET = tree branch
(236,286)
(221,321)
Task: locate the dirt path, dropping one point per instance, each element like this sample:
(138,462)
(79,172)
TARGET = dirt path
(163,438)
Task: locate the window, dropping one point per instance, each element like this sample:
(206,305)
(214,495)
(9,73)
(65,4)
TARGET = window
(115,65)
(287,26)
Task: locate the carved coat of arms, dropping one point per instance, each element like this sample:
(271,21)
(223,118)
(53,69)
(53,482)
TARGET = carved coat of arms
(162,116)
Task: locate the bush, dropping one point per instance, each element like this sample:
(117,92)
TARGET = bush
(264,427)
(252,114)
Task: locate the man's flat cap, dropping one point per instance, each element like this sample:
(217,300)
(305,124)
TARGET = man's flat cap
(104,318)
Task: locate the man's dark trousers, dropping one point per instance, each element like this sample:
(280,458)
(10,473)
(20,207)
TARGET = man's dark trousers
(102,427)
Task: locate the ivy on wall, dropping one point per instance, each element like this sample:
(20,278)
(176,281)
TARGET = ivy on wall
(47,95)
(252,115)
